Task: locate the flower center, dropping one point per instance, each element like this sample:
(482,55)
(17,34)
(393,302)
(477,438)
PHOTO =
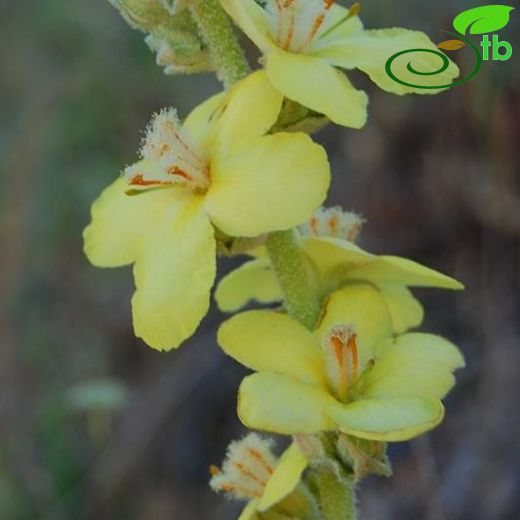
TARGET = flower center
(169,157)
(295,23)
(341,360)
(248,466)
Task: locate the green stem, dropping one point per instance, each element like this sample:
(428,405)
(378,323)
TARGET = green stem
(286,256)
(289,262)
(218,34)
(292,270)
(337,496)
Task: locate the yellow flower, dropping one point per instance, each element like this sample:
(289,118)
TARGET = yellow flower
(351,374)
(251,472)
(218,170)
(303,41)
(335,263)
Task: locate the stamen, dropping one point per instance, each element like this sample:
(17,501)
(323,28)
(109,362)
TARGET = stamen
(290,34)
(333,224)
(138,180)
(313,225)
(168,157)
(295,23)
(315,26)
(249,474)
(353,11)
(258,456)
(279,17)
(175,170)
(318,21)
(342,359)
(239,491)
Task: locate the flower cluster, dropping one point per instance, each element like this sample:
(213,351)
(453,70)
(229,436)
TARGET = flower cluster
(352,376)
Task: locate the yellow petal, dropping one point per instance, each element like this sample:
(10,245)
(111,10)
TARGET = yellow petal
(272,342)
(274,183)
(199,124)
(254,280)
(317,85)
(252,19)
(249,111)
(341,259)
(121,222)
(401,271)
(363,308)
(405,309)
(369,51)
(279,404)
(333,256)
(174,274)
(413,365)
(285,477)
(387,420)
(250,511)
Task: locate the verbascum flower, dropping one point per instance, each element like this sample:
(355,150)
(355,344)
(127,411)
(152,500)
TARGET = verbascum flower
(252,473)
(335,262)
(303,41)
(218,169)
(350,375)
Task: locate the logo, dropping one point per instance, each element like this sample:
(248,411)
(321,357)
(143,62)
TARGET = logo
(478,21)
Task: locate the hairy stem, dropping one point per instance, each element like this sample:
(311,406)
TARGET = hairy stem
(218,34)
(293,274)
(337,496)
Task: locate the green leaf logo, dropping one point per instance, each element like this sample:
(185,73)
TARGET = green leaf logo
(483,20)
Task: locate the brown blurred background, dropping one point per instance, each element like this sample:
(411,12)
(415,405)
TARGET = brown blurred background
(93,424)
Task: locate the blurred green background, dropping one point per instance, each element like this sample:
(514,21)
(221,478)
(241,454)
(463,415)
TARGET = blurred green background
(93,424)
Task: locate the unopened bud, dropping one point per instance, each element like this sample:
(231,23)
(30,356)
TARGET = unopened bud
(248,466)
(172,33)
(333,222)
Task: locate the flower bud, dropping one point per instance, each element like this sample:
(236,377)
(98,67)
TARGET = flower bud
(248,466)
(333,222)
(172,33)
